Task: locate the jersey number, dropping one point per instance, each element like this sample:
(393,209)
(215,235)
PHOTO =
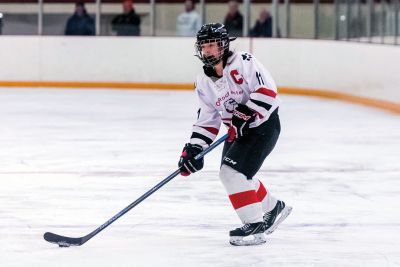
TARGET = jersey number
(259,78)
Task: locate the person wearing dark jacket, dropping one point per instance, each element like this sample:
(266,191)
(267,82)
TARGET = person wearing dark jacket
(234,20)
(263,26)
(128,23)
(80,23)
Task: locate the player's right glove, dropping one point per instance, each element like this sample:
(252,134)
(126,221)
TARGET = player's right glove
(240,123)
(187,163)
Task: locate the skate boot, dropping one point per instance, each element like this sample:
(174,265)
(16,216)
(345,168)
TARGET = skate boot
(274,217)
(248,235)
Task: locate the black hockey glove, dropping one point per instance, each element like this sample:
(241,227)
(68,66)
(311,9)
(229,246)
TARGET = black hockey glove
(187,163)
(240,123)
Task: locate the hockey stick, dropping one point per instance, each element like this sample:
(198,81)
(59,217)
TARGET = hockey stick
(64,241)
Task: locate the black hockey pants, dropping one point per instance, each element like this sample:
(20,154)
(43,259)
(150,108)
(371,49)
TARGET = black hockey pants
(248,154)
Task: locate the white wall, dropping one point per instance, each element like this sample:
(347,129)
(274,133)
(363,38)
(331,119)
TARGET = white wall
(119,59)
(359,69)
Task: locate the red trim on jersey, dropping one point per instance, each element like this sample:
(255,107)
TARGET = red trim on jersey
(242,199)
(211,129)
(261,192)
(266,91)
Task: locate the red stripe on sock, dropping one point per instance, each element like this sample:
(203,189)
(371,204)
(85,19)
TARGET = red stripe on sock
(242,199)
(262,192)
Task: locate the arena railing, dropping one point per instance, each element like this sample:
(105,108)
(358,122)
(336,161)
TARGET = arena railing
(371,21)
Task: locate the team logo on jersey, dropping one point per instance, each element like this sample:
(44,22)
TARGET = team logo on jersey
(246,56)
(236,76)
(222,98)
(230,105)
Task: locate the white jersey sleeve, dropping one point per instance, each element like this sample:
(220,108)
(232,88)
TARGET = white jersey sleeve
(206,128)
(263,91)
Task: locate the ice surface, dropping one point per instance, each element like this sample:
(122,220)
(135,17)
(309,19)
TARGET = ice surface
(71,159)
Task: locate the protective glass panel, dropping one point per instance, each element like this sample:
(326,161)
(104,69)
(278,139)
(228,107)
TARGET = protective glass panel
(230,14)
(166,16)
(326,22)
(19,19)
(263,18)
(388,13)
(125,19)
(69,18)
(178,19)
(302,21)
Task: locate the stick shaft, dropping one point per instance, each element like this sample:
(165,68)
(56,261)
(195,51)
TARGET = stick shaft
(150,192)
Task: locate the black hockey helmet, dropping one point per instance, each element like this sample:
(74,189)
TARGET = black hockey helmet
(209,33)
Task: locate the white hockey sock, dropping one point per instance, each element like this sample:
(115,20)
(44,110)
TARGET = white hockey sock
(268,202)
(242,195)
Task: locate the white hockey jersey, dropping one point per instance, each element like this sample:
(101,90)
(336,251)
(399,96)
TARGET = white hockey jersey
(245,80)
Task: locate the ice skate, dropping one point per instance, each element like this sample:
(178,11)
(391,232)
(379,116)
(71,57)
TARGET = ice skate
(276,216)
(248,235)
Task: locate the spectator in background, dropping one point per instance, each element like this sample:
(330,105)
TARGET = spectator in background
(263,26)
(234,20)
(188,22)
(128,23)
(80,23)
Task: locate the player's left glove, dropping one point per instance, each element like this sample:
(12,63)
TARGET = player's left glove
(187,163)
(240,123)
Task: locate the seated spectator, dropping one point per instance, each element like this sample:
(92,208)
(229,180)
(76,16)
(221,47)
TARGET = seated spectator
(80,23)
(128,23)
(188,22)
(234,20)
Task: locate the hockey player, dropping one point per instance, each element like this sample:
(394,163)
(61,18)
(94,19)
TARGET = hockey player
(235,89)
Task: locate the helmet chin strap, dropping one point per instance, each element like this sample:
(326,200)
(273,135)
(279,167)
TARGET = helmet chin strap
(209,70)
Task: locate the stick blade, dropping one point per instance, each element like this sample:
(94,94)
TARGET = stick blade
(63,241)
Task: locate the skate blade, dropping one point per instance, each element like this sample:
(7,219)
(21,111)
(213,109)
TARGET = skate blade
(284,213)
(256,239)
